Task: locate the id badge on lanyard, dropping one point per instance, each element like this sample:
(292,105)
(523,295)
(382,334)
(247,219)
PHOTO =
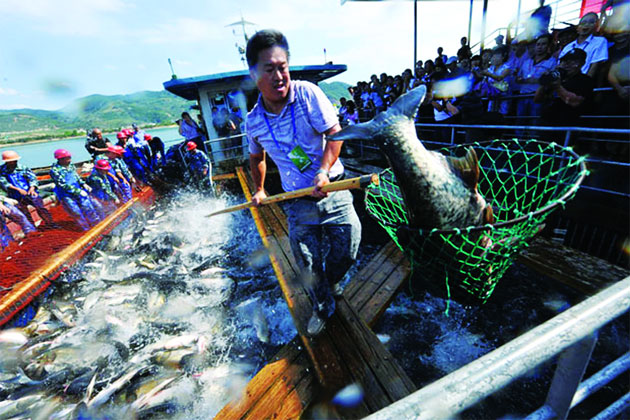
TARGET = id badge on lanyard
(297,155)
(299,158)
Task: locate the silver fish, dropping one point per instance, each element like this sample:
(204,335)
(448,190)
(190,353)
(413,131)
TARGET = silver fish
(439,192)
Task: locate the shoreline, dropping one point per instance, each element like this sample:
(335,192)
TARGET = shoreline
(21,143)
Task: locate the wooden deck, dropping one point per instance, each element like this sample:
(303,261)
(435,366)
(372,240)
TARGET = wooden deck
(577,269)
(310,371)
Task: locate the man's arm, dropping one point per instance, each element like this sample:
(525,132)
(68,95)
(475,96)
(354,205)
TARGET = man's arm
(258,166)
(331,154)
(572,99)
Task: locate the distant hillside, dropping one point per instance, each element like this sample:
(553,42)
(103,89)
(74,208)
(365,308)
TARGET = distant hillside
(335,90)
(110,113)
(107,112)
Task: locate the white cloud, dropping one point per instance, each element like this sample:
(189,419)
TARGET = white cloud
(65,17)
(8,91)
(182,30)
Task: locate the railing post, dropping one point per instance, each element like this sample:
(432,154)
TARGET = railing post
(571,367)
(452,135)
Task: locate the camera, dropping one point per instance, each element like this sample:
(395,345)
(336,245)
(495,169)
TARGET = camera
(552,76)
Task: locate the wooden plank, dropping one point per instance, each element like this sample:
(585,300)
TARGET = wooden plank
(575,268)
(283,389)
(368,270)
(346,352)
(380,300)
(265,378)
(374,282)
(329,374)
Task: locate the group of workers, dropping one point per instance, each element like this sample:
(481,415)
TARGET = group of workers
(117,169)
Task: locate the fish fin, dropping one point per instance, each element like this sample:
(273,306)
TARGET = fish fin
(363,131)
(488,215)
(409,103)
(467,167)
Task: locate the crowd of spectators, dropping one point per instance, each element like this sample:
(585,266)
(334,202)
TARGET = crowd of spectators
(541,77)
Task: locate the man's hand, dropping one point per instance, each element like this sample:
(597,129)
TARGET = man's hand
(21,191)
(4,209)
(258,197)
(623,92)
(32,192)
(320,180)
(117,201)
(87,188)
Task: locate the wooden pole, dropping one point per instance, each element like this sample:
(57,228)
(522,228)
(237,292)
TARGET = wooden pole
(344,184)
(415,36)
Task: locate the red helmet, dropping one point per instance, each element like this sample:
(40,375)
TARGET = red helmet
(191,145)
(62,153)
(119,150)
(147,137)
(121,135)
(10,156)
(103,164)
(128,132)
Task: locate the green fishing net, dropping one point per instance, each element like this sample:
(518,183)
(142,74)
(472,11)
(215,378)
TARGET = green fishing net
(523,180)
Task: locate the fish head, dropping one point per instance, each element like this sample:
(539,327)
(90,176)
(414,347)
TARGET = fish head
(395,124)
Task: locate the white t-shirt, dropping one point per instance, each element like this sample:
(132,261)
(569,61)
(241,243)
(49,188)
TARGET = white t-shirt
(595,47)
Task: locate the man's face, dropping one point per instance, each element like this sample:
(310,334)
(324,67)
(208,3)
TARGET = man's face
(98,134)
(572,67)
(65,161)
(271,74)
(542,45)
(497,59)
(11,165)
(587,25)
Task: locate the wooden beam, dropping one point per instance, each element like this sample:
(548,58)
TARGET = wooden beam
(577,269)
(346,352)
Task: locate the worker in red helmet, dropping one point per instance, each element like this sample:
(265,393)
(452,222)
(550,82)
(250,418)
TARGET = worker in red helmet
(157,148)
(199,166)
(72,191)
(8,211)
(121,173)
(20,183)
(104,185)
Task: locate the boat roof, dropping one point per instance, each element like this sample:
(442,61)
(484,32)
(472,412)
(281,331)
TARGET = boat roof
(188,88)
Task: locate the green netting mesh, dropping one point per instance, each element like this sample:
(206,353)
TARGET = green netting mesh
(523,180)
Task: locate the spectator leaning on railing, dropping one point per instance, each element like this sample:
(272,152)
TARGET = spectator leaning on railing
(528,78)
(565,92)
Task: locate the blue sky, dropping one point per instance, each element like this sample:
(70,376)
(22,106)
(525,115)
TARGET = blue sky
(55,51)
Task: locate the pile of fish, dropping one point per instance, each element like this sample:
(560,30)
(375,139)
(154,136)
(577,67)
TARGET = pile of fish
(169,317)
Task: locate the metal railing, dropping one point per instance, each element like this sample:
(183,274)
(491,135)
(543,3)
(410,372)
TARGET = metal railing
(570,335)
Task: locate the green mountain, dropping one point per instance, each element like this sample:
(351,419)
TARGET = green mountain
(335,90)
(109,113)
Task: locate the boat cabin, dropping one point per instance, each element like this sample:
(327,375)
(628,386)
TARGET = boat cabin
(224,99)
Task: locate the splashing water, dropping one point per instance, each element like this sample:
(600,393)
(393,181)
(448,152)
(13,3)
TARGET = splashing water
(170,315)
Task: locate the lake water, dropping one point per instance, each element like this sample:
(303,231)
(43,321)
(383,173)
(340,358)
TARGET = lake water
(35,155)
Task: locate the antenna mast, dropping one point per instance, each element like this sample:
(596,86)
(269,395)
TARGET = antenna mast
(241,48)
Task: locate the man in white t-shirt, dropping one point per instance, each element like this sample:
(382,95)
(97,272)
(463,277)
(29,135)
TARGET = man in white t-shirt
(595,47)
